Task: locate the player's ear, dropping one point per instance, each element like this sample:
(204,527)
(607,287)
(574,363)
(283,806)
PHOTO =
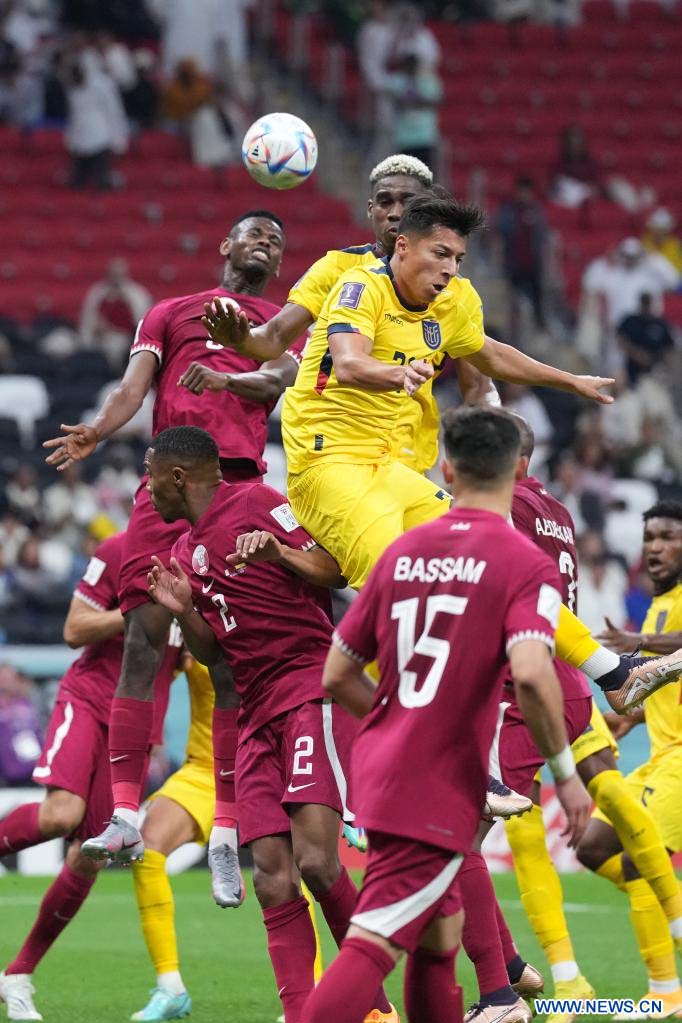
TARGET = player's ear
(402,244)
(225,246)
(179,477)
(370,207)
(521,470)
(448,476)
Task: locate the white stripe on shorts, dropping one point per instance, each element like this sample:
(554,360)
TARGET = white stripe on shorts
(388,919)
(494,757)
(330,746)
(59,736)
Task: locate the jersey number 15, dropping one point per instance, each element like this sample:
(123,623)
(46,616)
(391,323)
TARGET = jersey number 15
(413,690)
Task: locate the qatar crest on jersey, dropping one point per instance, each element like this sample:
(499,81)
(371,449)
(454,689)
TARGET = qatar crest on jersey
(431,332)
(200,560)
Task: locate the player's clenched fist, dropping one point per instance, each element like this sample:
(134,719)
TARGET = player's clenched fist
(77,443)
(256,546)
(416,374)
(198,378)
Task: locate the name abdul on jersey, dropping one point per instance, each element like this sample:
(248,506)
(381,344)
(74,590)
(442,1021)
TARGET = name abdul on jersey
(548,527)
(444,570)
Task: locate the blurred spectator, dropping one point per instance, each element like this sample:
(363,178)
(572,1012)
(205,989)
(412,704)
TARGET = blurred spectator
(70,503)
(116,484)
(417,92)
(112,308)
(96,126)
(645,339)
(20,735)
(660,237)
(521,227)
(212,33)
(577,177)
(142,101)
(653,457)
(13,535)
(525,402)
(187,91)
(35,581)
(23,496)
(602,584)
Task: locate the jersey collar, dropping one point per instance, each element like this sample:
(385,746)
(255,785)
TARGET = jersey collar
(404,303)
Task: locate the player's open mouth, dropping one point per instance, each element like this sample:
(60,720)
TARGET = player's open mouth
(263,255)
(438,288)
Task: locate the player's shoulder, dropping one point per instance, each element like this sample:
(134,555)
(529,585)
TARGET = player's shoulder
(532,495)
(464,289)
(111,548)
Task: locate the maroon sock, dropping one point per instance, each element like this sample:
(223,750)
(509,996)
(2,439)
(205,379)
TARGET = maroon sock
(20,829)
(347,989)
(430,990)
(224,753)
(130,731)
(61,902)
(480,937)
(292,948)
(509,949)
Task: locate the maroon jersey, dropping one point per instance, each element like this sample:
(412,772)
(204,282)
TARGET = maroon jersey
(173,331)
(93,677)
(273,626)
(442,608)
(546,522)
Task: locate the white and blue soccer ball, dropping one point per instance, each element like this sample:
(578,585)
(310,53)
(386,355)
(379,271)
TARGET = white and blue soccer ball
(279,151)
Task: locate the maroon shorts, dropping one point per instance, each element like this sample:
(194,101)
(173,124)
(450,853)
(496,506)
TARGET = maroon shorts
(75,758)
(148,534)
(514,757)
(302,756)
(407,884)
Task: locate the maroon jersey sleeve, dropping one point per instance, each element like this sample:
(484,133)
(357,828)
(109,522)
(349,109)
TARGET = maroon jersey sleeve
(297,349)
(99,585)
(533,610)
(269,510)
(151,332)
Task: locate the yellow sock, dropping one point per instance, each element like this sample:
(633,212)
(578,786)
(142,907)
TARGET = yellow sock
(539,885)
(574,642)
(319,965)
(651,931)
(157,910)
(612,870)
(640,837)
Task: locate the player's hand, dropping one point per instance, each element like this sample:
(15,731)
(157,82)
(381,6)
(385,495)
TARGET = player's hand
(591,387)
(170,587)
(227,326)
(416,374)
(256,546)
(79,442)
(617,639)
(577,805)
(621,724)
(198,379)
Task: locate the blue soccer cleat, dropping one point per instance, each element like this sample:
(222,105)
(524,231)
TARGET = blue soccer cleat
(164,1005)
(356,837)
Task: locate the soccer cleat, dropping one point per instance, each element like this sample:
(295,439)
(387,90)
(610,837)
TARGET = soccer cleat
(356,837)
(376,1016)
(578,990)
(517,1012)
(671,1009)
(227,883)
(501,801)
(530,984)
(17,991)
(119,841)
(647,674)
(164,1004)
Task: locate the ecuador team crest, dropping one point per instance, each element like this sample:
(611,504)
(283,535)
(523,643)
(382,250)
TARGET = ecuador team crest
(431,332)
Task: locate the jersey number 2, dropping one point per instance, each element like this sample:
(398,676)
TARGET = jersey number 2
(414,691)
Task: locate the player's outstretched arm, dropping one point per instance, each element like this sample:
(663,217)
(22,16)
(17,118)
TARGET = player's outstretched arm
(355,366)
(474,387)
(345,680)
(263,385)
(621,724)
(502,362)
(172,589)
(315,565)
(231,329)
(85,624)
(78,442)
(623,642)
(540,700)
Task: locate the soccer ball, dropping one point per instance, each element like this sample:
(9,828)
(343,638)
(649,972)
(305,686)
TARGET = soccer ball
(279,151)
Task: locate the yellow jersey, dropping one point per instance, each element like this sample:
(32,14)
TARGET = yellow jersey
(200,738)
(323,419)
(415,441)
(664,708)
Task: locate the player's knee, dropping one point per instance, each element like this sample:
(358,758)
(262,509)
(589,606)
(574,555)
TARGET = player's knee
(80,864)
(60,814)
(607,788)
(272,884)
(591,854)
(319,868)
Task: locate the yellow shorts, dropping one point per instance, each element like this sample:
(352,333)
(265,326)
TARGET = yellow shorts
(193,788)
(658,784)
(355,511)
(597,736)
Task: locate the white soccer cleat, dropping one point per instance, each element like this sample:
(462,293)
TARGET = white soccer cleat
(517,1012)
(119,841)
(227,883)
(17,991)
(501,801)
(647,675)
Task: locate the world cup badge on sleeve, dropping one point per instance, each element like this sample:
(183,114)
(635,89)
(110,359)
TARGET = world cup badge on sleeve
(431,332)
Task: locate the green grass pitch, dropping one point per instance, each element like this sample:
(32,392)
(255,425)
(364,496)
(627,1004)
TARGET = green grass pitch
(99,971)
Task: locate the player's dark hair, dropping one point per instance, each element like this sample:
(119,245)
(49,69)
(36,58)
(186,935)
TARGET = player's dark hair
(667,509)
(424,212)
(483,444)
(186,444)
(262,214)
(527,435)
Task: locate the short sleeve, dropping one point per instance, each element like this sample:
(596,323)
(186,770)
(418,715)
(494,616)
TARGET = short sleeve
(462,336)
(269,510)
(150,335)
(472,304)
(356,633)
(297,350)
(354,305)
(99,585)
(312,290)
(533,610)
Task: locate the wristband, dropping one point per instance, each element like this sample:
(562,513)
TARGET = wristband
(492,398)
(562,765)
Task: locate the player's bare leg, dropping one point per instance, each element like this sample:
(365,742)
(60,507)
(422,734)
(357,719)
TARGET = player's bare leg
(223,848)
(130,729)
(59,814)
(166,827)
(59,905)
